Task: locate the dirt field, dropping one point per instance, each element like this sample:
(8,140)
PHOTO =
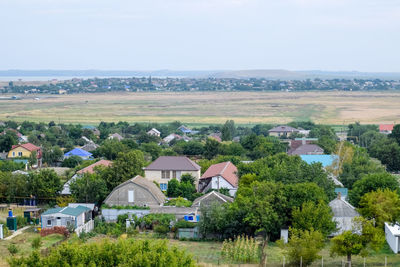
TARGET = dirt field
(207,107)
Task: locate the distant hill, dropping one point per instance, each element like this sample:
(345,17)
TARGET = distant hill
(273,74)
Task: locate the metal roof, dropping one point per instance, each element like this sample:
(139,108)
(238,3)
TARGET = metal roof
(173,163)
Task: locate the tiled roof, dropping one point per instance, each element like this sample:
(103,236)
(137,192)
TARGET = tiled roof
(386,127)
(27,146)
(308,149)
(173,163)
(225,169)
(90,168)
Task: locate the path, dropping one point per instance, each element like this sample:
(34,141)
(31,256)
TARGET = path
(18,232)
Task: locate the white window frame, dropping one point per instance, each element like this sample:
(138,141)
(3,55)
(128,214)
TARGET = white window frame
(131,196)
(165,174)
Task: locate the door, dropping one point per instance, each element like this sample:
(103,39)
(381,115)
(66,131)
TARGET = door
(58,221)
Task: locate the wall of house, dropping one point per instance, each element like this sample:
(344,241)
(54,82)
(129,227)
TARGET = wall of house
(64,219)
(141,196)
(220,182)
(14,153)
(156,176)
(343,224)
(391,239)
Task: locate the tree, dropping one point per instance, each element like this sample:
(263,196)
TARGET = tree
(52,155)
(152,148)
(381,205)
(7,141)
(125,167)
(396,133)
(363,238)
(387,150)
(44,184)
(110,149)
(314,217)
(32,159)
(72,161)
(304,246)
(228,130)
(211,148)
(372,182)
(173,189)
(90,188)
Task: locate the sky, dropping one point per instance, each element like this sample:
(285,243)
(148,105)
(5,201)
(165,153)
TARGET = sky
(335,35)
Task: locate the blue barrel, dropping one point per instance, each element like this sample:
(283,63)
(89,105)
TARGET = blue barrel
(10,214)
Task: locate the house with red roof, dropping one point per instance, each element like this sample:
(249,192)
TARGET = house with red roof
(386,128)
(25,151)
(218,176)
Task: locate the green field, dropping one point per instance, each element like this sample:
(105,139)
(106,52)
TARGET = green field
(200,108)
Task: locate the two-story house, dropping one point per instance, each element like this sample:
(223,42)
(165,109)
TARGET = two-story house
(165,168)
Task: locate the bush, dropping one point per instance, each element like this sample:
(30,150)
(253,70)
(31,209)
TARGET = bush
(124,252)
(13,249)
(150,220)
(243,249)
(184,224)
(55,230)
(161,230)
(179,202)
(21,221)
(36,242)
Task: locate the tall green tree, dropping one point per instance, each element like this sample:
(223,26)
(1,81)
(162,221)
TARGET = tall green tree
(44,184)
(372,182)
(90,188)
(381,206)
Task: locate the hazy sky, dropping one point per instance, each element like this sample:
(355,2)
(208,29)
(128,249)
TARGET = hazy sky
(361,35)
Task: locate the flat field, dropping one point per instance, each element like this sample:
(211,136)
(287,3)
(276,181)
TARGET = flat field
(246,108)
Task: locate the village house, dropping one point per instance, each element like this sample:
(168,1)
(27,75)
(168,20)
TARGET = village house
(392,235)
(218,176)
(165,168)
(307,149)
(343,214)
(79,153)
(283,130)
(386,128)
(137,191)
(116,136)
(211,197)
(154,132)
(76,215)
(89,169)
(25,151)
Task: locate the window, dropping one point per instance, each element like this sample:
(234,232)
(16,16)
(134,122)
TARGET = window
(163,187)
(48,222)
(165,174)
(19,154)
(13,154)
(130,196)
(174,174)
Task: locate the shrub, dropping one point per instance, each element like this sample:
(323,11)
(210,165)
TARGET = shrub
(13,249)
(124,252)
(179,202)
(150,220)
(243,249)
(184,224)
(161,230)
(36,242)
(55,230)
(21,221)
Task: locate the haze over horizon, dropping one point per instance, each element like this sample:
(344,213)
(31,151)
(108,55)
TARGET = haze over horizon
(329,35)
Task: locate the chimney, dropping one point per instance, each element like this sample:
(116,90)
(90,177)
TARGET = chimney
(339,195)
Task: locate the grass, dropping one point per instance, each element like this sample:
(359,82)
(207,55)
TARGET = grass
(202,108)
(23,242)
(17,211)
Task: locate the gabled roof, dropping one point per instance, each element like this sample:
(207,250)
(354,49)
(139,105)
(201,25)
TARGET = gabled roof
(154,130)
(212,195)
(341,208)
(146,184)
(90,147)
(67,211)
(173,163)
(284,129)
(90,168)
(116,136)
(225,169)
(27,146)
(78,152)
(307,149)
(386,127)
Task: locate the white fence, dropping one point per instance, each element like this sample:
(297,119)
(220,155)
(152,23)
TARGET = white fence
(87,227)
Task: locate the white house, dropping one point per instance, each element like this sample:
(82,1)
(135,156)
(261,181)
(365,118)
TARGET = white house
(218,176)
(154,132)
(392,234)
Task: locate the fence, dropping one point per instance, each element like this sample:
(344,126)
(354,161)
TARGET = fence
(87,227)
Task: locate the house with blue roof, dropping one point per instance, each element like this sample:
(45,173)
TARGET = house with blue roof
(325,160)
(78,152)
(76,215)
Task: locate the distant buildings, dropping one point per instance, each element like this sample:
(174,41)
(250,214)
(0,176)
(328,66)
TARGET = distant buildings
(386,128)
(154,132)
(283,131)
(83,154)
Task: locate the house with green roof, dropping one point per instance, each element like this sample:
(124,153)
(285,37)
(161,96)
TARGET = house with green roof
(77,215)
